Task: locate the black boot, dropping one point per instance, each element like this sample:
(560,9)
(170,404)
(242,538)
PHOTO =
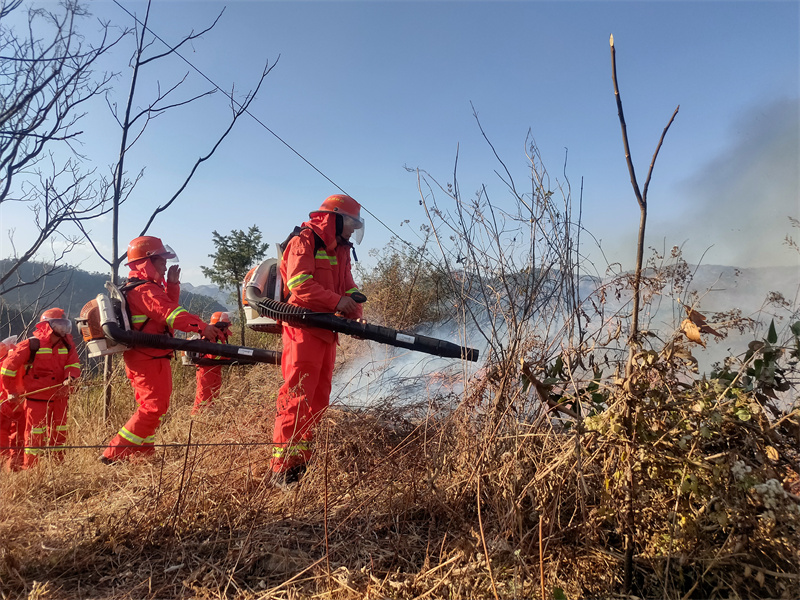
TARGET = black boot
(290,476)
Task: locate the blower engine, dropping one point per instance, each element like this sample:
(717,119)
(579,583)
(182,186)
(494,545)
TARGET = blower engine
(105,327)
(264,279)
(99,311)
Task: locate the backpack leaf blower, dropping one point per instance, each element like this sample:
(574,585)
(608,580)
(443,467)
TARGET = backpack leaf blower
(264,299)
(101,321)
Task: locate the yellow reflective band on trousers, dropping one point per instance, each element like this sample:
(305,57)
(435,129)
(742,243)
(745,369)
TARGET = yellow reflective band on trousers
(294,450)
(298,279)
(131,437)
(322,255)
(36,431)
(173,315)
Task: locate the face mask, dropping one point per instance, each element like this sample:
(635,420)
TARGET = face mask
(171,260)
(358,228)
(60,327)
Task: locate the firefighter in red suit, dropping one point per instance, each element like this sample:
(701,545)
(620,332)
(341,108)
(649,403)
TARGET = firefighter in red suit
(315,270)
(152,296)
(12,418)
(209,377)
(42,383)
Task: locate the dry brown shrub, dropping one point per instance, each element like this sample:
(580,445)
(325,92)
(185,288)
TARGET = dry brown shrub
(403,501)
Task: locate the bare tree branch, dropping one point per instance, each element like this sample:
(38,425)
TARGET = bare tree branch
(44,82)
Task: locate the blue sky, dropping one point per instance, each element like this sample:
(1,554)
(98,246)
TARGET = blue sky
(364,89)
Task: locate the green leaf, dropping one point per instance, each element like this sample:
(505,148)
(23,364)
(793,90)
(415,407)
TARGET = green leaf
(796,329)
(558,594)
(772,336)
(557,368)
(743,414)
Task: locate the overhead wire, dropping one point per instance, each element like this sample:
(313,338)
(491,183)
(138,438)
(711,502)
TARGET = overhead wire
(255,118)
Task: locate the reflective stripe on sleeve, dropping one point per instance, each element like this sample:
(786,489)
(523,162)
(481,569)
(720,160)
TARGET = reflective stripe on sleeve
(76,365)
(8,372)
(136,319)
(298,279)
(173,315)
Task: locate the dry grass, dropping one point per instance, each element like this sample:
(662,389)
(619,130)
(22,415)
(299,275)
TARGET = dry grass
(400,502)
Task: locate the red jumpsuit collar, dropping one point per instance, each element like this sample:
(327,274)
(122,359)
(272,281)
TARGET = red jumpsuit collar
(45,334)
(324,225)
(144,269)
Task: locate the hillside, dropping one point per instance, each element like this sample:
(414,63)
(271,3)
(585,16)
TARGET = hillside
(212,291)
(70,288)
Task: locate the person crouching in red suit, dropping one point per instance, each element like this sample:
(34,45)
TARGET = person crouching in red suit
(40,377)
(209,377)
(316,272)
(152,294)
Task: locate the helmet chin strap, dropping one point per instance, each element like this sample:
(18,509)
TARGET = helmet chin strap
(343,242)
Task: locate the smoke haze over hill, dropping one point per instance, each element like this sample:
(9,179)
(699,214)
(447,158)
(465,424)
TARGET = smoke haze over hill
(738,202)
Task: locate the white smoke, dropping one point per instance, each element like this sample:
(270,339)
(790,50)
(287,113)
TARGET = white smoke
(740,201)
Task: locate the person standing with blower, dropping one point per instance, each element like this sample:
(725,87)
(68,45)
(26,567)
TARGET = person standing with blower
(36,371)
(209,377)
(316,274)
(152,293)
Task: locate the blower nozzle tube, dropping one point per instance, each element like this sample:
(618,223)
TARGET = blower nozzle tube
(164,342)
(301,317)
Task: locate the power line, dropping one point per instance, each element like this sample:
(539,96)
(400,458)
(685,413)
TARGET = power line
(256,119)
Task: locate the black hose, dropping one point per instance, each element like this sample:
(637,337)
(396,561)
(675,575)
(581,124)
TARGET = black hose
(302,317)
(137,339)
(203,361)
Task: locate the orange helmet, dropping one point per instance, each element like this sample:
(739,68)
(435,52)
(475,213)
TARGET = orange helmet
(53,313)
(220,317)
(147,246)
(341,204)
(58,321)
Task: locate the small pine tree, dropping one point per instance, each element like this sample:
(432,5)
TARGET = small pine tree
(236,254)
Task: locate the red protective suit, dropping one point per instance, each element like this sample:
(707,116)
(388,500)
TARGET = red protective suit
(209,382)
(317,280)
(12,434)
(12,424)
(154,309)
(45,410)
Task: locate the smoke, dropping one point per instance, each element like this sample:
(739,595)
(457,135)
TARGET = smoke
(740,201)
(385,373)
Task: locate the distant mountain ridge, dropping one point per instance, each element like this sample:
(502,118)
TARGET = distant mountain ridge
(71,288)
(212,291)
